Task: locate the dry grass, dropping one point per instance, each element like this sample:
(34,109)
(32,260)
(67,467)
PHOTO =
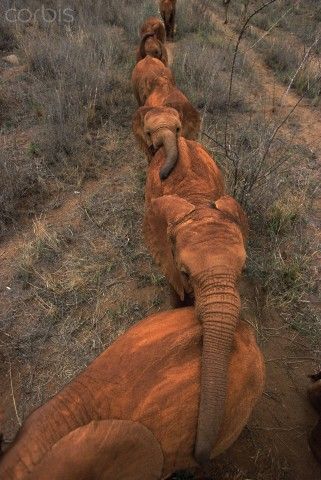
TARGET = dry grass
(202,66)
(78,287)
(76,89)
(285,60)
(299,23)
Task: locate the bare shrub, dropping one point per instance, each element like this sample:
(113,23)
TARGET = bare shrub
(202,68)
(128,15)
(20,177)
(7,38)
(82,82)
(275,180)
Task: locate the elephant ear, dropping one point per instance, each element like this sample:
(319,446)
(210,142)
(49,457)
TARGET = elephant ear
(142,53)
(233,209)
(138,127)
(103,450)
(162,214)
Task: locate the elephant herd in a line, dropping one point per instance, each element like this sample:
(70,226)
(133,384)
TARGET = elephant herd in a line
(179,386)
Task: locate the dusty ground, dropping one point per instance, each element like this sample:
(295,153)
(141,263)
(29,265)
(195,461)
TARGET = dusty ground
(274,444)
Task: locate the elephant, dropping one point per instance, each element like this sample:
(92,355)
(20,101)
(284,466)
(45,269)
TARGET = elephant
(166,127)
(314,395)
(157,127)
(144,76)
(122,418)
(201,251)
(153,25)
(153,47)
(165,93)
(167,10)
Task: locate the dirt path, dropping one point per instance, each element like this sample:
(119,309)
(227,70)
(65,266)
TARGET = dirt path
(57,217)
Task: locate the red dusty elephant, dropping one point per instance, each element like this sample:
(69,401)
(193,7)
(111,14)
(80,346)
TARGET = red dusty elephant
(154,26)
(145,75)
(165,94)
(167,10)
(132,414)
(160,133)
(151,46)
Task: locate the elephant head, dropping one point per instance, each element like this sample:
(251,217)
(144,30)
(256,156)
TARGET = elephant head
(156,127)
(202,252)
(155,26)
(150,46)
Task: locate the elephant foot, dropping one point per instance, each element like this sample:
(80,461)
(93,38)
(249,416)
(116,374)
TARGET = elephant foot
(315,441)
(176,302)
(314,395)
(315,377)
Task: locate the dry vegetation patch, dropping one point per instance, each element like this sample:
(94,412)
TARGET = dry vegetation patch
(76,89)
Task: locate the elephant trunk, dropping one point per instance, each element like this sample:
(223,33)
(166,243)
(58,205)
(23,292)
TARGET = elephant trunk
(168,139)
(218,306)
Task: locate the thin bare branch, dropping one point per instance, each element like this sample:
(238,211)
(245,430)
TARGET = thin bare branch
(13,396)
(305,58)
(269,30)
(222,147)
(233,68)
(275,132)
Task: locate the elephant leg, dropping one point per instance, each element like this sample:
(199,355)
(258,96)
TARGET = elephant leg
(175,300)
(314,395)
(172,25)
(315,441)
(102,450)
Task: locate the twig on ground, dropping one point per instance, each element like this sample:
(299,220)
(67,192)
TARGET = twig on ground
(13,396)
(269,30)
(285,359)
(305,58)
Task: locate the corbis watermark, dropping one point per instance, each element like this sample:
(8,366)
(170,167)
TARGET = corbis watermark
(42,14)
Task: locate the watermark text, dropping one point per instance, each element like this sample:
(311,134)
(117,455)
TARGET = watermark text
(42,14)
